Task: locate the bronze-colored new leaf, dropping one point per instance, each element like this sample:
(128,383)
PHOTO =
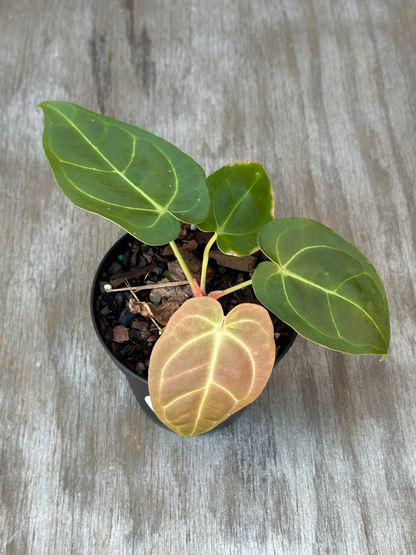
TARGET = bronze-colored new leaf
(205,367)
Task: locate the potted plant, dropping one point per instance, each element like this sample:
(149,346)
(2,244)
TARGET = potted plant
(206,366)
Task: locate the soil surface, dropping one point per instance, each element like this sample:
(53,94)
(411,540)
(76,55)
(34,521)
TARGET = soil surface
(132,336)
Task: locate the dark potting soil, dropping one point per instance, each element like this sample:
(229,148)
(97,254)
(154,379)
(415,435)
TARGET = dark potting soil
(131,337)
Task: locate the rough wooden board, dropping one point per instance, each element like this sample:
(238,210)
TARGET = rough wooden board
(321,92)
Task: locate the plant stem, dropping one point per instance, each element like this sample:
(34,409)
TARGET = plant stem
(205,261)
(235,288)
(184,267)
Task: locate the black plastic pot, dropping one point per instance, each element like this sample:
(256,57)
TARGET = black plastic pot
(138,384)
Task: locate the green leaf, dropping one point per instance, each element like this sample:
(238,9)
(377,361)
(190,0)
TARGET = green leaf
(241,204)
(131,177)
(205,366)
(323,287)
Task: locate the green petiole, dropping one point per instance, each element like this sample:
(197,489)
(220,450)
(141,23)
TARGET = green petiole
(184,267)
(205,261)
(234,288)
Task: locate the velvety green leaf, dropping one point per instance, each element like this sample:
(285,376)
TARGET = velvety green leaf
(241,204)
(205,367)
(323,287)
(131,177)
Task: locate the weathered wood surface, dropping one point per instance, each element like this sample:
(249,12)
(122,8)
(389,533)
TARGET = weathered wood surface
(322,93)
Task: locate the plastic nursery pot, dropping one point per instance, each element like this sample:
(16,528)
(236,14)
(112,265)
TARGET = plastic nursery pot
(139,385)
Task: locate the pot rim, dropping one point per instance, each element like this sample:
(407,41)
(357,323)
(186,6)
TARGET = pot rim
(94,318)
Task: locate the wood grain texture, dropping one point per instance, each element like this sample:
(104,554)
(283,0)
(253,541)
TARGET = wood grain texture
(321,93)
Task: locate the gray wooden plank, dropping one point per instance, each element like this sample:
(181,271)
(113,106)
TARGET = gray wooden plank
(321,93)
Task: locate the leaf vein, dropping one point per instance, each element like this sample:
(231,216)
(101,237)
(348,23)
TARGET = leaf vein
(352,277)
(331,292)
(284,266)
(294,309)
(226,390)
(181,397)
(333,319)
(209,379)
(132,156)
(184,373)
(155,204)
(236,206)
(184,346)
(79,165)
(113,203)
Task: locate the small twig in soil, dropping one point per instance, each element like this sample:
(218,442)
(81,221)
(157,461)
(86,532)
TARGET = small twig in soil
(142,287)
(137,299)
(133,293)
(157,325)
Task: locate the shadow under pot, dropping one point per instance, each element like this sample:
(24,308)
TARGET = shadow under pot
(138,384)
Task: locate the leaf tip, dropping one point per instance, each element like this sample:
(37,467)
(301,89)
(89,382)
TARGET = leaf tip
(383,358)
(42,104)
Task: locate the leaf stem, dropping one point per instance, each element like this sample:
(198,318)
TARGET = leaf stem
(183,265)
(205,261)
(234,288)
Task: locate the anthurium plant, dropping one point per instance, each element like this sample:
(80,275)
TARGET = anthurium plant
(207,365)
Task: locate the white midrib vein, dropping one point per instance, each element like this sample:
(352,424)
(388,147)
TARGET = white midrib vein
(116,170)
(179,351)
(210,376)
(285,272)
(234,208)
(133,208)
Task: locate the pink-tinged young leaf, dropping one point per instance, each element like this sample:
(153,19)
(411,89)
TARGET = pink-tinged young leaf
(205,367)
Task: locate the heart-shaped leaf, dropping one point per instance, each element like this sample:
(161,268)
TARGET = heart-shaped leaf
(131,177)
(206,367)
(323,287)
(241,204)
